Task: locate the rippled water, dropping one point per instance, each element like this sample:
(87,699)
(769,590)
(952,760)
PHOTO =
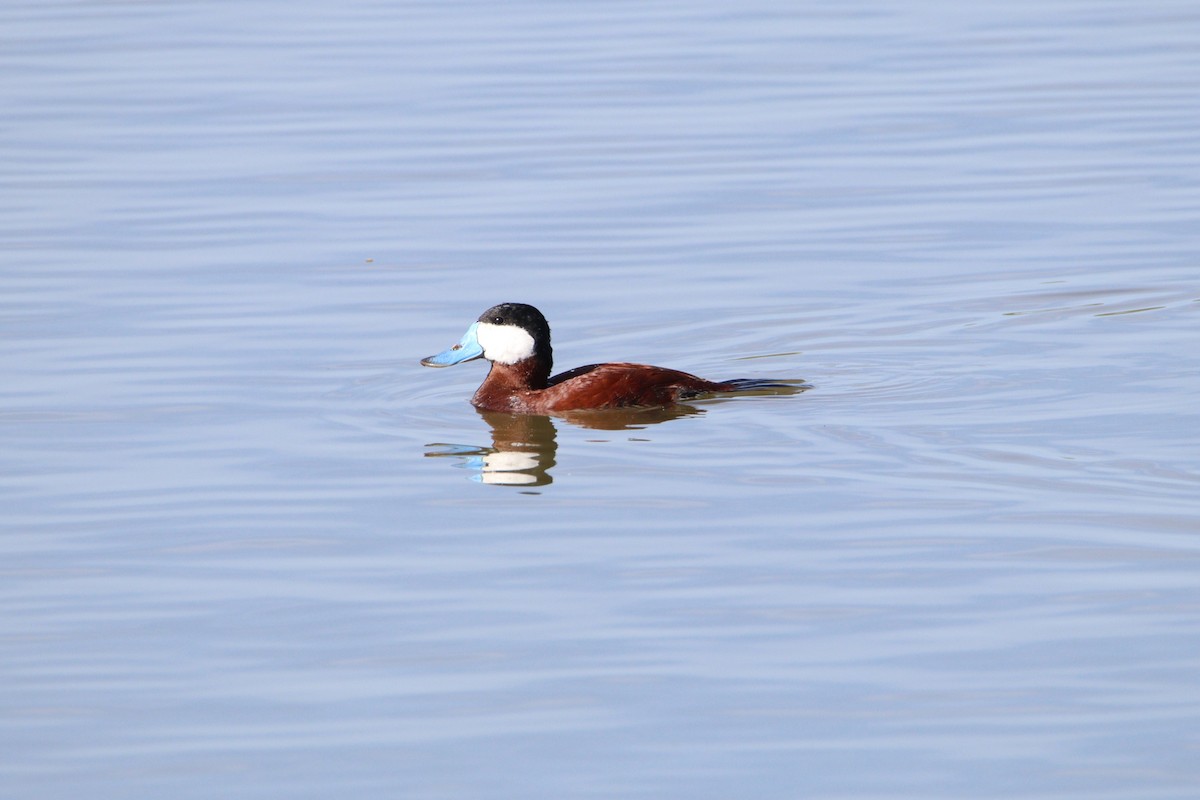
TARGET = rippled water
(251,548)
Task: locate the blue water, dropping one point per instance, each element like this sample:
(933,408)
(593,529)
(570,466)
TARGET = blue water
(249,548)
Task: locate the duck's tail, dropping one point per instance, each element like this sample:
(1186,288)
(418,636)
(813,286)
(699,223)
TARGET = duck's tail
(766,386)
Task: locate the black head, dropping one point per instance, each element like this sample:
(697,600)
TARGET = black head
(526,318)
(520,315)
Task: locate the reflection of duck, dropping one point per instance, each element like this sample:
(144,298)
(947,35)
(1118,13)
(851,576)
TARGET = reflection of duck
(515,338)
(522,451)
(524,446)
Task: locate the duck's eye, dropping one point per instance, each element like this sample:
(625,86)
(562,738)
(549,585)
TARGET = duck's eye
(497,320)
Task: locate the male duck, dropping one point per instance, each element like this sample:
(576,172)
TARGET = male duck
(515,338)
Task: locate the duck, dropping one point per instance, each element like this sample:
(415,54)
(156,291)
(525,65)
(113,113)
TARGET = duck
(515,339)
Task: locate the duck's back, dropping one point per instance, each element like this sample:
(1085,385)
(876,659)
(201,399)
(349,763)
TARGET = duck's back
(620,384)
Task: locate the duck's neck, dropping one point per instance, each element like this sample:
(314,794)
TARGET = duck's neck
(531,373)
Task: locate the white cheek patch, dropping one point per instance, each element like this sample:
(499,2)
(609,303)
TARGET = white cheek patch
(504,344)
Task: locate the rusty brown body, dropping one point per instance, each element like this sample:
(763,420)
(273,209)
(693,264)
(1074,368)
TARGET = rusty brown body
(526,388)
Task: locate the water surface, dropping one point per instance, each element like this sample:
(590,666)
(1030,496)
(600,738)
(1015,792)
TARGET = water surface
(252,549)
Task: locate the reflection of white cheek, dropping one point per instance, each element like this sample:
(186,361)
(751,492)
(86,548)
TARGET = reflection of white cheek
(507,467)
(504,344)
(509,461)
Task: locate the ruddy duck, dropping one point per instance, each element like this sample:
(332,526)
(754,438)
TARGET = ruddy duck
(515,338)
